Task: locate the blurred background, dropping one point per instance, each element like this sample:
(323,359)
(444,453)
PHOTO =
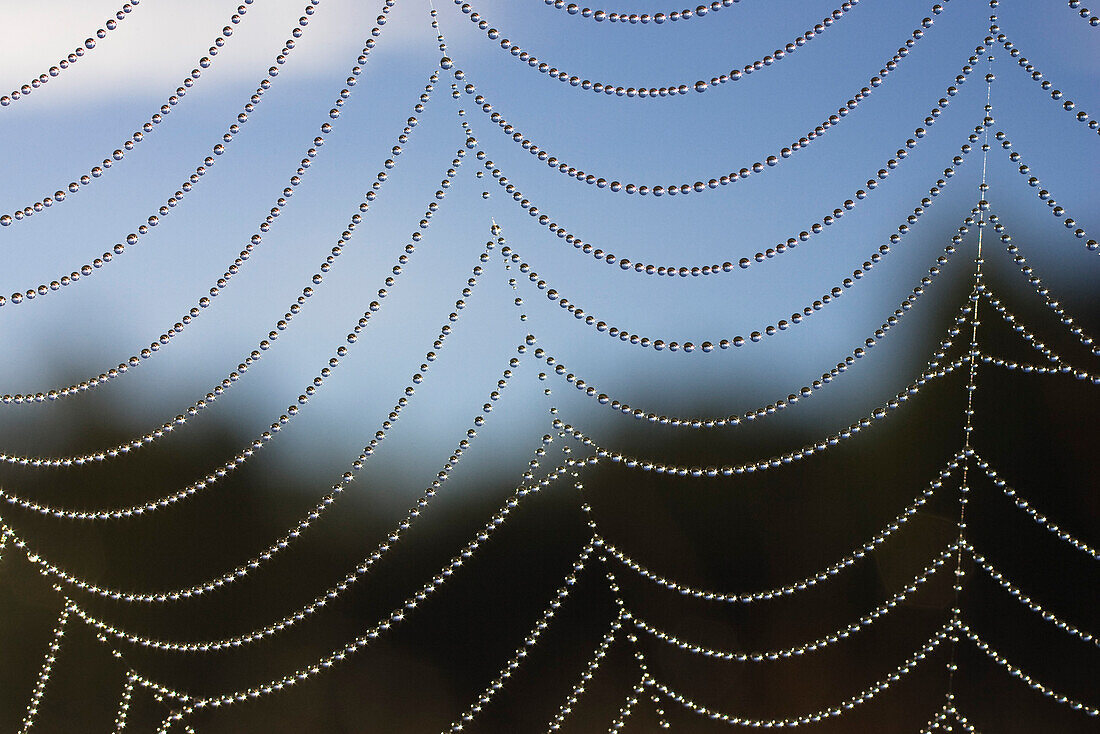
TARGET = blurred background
(752,532)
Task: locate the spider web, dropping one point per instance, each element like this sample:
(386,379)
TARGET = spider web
(424,506)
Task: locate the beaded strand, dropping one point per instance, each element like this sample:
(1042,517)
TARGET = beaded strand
(526,646)
(973,351)
(157,118)
(78,53)
(1037,76)
(675,89)
(761,465)
(744,263)
(1020,328)
(757,413)
(616,594)
(53,571)
(47,668)
(626,337)
(727,267)
(627,709)
(698,187)
(1025,677)
(937,721)
(1056,209)
(647,682)
(1059,369)
(240,571)
(226,383)
(316,279)
(644,18)
(181,419)
(1039,518)
(826,713)
(586,677)
(746,597)
(193,703)
(1042,291)
(806,647)
(124,703)
(256,443)
(1026,334)
(200,171)
(283,542)
(1027,601)
(757,595)
(866,695)
(1083,12)
(712,471)
(962,721)
(332,593)
(639,656)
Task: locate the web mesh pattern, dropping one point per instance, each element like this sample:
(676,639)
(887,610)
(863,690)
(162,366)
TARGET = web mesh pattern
(905,541)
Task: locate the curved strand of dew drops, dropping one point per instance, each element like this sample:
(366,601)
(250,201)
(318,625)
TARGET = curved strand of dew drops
(728,470)
(940,719)
(802,649)
(1056,210)
(193,180)
(1042,291)
(830,712)
(757,414)
(579,688)
(657,18)
(1039,518)
(398,615)
(1085,13)
(1000,579)
(1059,364)
(58,574)
(157,118)
(1055,94)
(78,53)
(234,268)
(627,337)
(264,345)
(250,450)
(1019,674)
(683,189)
(744,263)
(1039,369)
(676,88)
(526,646)
(807,582)
(321,600)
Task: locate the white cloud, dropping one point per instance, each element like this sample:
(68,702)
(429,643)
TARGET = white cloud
(160,41)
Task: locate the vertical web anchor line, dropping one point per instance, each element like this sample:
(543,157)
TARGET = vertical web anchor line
(52,650)
(123,711)
(971,387)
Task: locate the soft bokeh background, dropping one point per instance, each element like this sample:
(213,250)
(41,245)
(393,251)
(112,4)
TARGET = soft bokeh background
(1038,431)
